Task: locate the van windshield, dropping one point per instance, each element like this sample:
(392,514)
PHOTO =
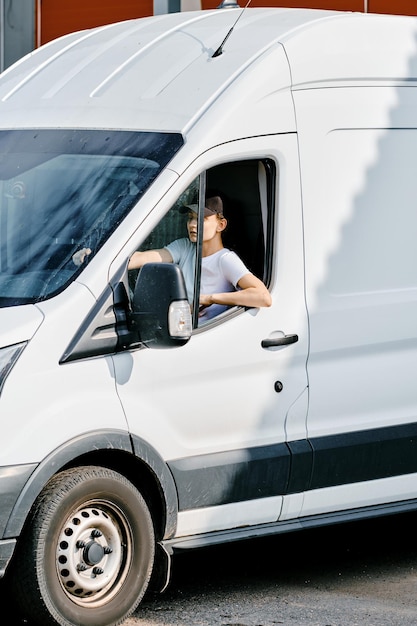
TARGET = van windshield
(62,190)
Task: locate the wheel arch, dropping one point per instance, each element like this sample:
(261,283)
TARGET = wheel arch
(129,455)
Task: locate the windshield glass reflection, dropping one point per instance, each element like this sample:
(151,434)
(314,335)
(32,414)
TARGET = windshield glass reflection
(64,190)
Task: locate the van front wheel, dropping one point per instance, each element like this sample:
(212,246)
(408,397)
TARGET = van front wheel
(87,555)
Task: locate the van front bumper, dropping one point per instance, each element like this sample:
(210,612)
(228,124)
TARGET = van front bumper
(12,481)
(7,547)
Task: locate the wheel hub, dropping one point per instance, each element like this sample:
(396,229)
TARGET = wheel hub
(90,553)
(93,553)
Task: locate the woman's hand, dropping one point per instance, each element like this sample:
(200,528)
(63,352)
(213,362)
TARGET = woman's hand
(79,257)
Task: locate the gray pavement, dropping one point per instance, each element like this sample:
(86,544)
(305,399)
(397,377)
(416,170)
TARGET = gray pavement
(362,574)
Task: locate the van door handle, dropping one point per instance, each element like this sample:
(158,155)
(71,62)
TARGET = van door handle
(279,341)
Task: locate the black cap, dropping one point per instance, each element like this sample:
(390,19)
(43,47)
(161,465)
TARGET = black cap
(214,206)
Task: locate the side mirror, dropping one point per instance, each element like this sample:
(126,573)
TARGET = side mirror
(161,314)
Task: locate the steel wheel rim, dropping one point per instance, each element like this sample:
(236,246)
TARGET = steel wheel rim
(93,553)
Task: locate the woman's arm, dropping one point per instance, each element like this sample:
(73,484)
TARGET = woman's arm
(138,259)
(252,293)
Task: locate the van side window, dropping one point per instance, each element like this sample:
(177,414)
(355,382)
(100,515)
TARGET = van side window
(246,192)
(248,187)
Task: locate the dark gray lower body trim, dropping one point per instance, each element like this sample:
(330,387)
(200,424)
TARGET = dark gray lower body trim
(296,466)
(235,476)
(365,455)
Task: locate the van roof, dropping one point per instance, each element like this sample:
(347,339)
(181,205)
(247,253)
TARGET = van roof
(159,73)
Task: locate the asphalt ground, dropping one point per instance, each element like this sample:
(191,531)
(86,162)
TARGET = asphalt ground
(359,574)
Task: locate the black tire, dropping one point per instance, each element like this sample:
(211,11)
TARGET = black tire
(86,556)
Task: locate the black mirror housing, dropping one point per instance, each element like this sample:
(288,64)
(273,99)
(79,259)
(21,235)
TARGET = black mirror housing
(161,313)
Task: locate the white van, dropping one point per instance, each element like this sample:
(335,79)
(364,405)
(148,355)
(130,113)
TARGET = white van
(114,453)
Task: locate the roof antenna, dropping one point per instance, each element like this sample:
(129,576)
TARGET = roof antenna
(229,4)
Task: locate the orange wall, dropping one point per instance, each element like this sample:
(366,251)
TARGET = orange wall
(400,7)
(59,17)
(338,5)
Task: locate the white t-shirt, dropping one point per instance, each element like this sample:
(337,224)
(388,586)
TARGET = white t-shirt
(183,254)
(220,272)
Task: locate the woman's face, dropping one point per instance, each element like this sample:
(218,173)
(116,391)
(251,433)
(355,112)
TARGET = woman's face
(212,226)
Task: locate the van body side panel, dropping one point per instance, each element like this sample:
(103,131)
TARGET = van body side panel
(49,403)
(358,147)
(216,401)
